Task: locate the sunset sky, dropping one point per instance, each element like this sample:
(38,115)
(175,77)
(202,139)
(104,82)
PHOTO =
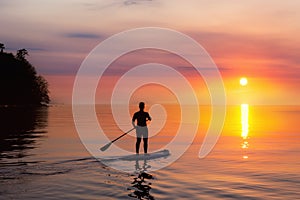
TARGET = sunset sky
(254,39)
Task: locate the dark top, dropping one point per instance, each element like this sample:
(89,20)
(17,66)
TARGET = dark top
(141,118)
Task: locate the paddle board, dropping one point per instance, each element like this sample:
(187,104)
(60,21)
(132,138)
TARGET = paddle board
(150,156)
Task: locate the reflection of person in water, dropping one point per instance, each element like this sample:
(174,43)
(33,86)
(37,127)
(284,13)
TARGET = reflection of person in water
(141,129)
(144,167)
(140,188)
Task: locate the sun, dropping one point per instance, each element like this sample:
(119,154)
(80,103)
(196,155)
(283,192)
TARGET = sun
(243,81)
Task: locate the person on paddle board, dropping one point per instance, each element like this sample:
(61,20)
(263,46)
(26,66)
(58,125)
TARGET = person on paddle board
(141,128)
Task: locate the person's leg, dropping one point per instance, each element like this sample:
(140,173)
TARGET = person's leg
(137,145)
(145,140)
(138,139)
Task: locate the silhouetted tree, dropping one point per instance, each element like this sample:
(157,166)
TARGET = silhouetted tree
(21,53)
(2,47)
(41,89)
(19,82)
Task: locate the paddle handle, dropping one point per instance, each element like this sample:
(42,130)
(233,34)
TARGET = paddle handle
(122,135)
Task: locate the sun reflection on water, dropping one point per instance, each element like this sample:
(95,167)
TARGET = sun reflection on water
(244,120)
(245,128)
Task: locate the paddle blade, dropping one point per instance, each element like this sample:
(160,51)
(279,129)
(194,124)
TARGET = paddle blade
(105,147)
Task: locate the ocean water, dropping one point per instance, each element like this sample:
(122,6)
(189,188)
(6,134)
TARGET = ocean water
(257,157)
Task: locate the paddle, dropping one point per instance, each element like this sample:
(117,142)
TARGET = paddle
(108,144)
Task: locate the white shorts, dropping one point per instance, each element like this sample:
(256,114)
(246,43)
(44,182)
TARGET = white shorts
(142,131)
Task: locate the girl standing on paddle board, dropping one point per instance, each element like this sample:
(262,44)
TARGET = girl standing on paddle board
(141,128)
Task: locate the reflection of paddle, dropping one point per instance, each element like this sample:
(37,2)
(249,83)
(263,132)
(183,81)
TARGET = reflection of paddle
(108,145)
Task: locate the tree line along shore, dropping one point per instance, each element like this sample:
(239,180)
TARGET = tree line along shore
(20,85)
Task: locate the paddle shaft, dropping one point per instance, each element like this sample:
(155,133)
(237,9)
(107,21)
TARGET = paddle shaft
(108,144)
(105,147)
(122,135)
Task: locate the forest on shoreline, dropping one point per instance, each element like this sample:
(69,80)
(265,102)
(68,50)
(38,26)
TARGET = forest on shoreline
(19,82)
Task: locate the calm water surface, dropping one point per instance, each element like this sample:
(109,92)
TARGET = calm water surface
(257,157)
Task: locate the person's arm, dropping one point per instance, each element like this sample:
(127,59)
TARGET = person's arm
(133,121)
(133,124)
(149,118)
